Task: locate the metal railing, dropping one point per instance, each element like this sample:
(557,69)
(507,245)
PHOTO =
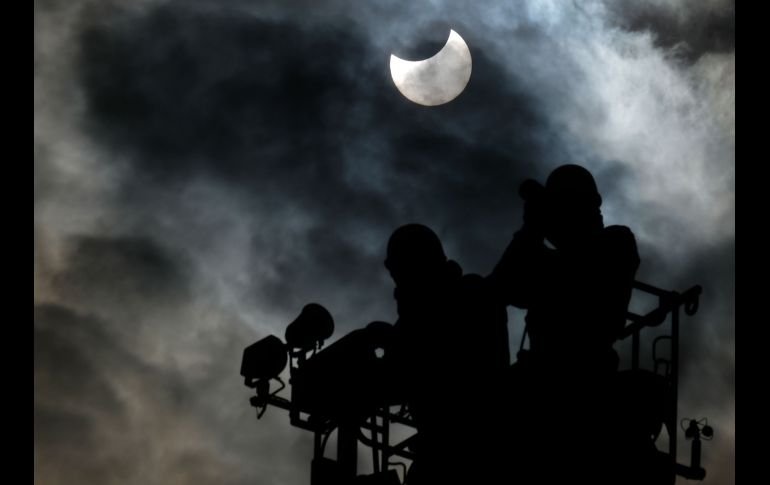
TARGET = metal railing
(378,423)
(669,304)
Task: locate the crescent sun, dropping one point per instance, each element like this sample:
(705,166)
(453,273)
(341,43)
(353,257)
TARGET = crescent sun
(438,79)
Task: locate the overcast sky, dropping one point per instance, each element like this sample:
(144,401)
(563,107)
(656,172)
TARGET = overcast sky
(205,168)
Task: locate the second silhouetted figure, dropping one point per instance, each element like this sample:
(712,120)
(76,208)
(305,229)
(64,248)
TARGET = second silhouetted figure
(576,292)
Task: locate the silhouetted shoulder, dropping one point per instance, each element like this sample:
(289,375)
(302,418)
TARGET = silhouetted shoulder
(619,236)
(464,287)
(619,240)
(475,285)
(619,233)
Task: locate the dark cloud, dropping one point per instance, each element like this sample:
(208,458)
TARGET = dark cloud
(122,271)
(103,404)
(708,360)
(206,93)
(284,115)
(44,174)
(59,334)
(273,106)
(706,27)
(71,386)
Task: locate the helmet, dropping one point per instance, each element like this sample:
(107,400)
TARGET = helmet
(573,184)
(414,249)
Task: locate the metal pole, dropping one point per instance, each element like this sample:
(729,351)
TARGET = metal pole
(347,450)
(674,380)
(635,351)
(376,439)
(317,451)
(385,439)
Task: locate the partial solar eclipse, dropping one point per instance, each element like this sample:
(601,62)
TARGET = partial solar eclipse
(438,79)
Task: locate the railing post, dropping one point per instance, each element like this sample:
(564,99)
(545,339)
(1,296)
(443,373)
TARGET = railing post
(635,350)
(347,449)
(385,439)
(674,380)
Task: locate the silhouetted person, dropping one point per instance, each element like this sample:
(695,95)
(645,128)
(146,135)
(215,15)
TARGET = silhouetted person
(450,344)
(576,295)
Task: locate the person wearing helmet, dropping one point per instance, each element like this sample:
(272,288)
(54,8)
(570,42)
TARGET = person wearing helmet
(449,342)
(574,277)
(576,292)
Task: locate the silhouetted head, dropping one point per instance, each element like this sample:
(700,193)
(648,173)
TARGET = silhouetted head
(415,255)
(573,206)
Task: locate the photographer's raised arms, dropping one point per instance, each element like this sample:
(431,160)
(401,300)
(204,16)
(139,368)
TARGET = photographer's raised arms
(576,294)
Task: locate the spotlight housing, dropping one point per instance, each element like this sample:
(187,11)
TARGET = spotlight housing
(263,360)
(308,331)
